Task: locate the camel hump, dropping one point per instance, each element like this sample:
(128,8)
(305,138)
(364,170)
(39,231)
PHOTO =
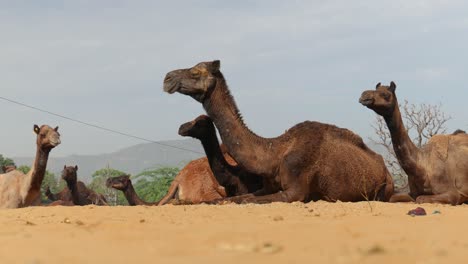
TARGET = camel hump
(458,131)
(440,143)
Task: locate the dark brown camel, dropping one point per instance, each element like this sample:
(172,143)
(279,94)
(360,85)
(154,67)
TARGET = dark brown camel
(20,190)
(77,190)
(310,161)
(437,172)
(124,184)
(232,178)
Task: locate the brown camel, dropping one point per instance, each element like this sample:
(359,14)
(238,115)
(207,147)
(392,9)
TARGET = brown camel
(124,184)
(232,178)
(78,192)
(310,161)
(20,190)
(194,184)
(63,195)
(437,172)
(8,168)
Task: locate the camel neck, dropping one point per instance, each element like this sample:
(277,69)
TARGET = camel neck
(215,157)
(407,153)
(73,187)
(132,196)
(38,169)
(248,149)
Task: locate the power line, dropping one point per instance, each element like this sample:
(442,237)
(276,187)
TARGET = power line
(96,126)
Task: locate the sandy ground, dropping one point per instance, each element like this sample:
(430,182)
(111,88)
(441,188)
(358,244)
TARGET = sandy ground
(317,232)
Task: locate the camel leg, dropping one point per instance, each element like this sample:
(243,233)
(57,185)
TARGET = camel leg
(401,198)
(290,195)
(443,198)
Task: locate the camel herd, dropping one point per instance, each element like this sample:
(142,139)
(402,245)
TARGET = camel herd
(310,161)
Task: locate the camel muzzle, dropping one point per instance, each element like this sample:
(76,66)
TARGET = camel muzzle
(366,99)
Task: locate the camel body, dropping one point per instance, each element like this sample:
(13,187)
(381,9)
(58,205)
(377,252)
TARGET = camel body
(444,160)
(194,184)
(310,161)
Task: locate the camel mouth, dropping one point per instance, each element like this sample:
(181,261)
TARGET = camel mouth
(55,143)
(366,101)
(170,88)
(184,129)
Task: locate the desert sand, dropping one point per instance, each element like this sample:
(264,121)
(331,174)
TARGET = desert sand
(316,232)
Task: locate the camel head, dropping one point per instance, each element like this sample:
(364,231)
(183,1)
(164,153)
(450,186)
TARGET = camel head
(382,100)
(119,183)
(47,137)
(195,82)
(8,168)
(200,127)
(69,173)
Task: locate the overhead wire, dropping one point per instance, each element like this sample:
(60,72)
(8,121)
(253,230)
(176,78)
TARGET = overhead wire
(96,126)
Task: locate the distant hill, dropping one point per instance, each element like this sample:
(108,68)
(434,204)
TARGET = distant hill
(132,160)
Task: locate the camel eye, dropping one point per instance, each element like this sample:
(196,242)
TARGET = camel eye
(385,96)
(195,73)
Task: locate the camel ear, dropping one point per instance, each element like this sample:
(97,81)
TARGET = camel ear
(76,167)
(56,128)
(36,129)
(378,85)
(215,65)
(392,87)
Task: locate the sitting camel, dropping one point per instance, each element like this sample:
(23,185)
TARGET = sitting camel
(76,191)
(20,190)
(8,168)
(310,161)
(437,172)
(194,184)
(231,177)
(124,184)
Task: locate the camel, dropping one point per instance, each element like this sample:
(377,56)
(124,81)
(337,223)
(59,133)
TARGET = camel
(437,172)
(8,168)
(310,161)
(231,177)
(21,190)
(78,192)
(63,195)
(124,184)
(194,184)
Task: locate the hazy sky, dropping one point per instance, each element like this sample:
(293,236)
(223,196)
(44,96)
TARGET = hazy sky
(103,62)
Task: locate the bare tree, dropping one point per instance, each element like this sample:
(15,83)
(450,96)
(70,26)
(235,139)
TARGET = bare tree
(422,122)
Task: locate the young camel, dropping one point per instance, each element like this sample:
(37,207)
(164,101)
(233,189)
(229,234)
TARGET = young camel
(194,184)
(437,172)
(124,184)
(78,192)
(231,177)
(20,190)
(310,161)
